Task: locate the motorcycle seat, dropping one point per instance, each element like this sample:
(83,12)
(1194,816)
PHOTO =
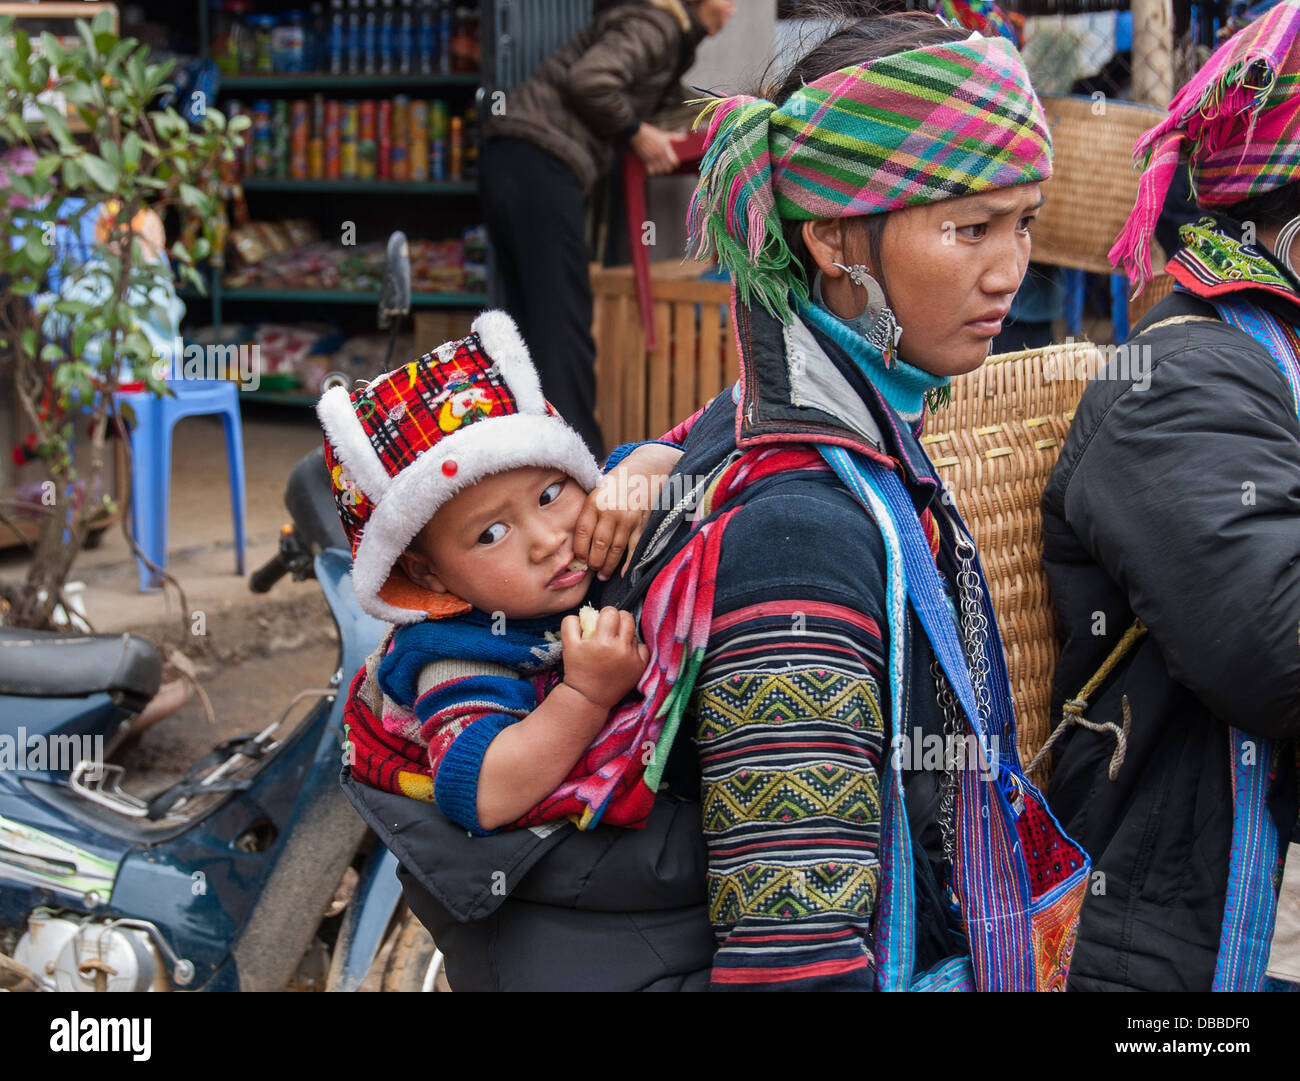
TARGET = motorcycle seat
(47,664)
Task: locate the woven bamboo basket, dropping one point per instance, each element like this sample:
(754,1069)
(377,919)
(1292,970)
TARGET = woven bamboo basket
(994,447)
(1093,185)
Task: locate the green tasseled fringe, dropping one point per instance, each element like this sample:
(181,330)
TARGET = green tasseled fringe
(769,279)
(937,397)
(739,143)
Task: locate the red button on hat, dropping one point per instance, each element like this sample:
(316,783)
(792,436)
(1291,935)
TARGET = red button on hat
(449,468)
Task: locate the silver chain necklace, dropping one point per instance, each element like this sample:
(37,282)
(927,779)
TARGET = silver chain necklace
(974,632)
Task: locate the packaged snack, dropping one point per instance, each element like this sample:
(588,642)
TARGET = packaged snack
(419,152)
(366,148)
(280,140)
(263,150)
(457,148)
(299,136)
(383,141)
(333,128)
(399,152)
(348,142)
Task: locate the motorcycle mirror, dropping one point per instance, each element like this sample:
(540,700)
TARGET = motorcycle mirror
(395,291)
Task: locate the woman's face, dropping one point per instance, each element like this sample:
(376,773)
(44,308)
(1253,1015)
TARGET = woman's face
(950,270)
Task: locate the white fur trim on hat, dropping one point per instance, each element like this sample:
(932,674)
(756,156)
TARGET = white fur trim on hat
(488,446)
(352,447)
(504,344)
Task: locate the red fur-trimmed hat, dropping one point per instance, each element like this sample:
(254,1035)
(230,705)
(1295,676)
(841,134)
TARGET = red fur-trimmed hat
(400,447)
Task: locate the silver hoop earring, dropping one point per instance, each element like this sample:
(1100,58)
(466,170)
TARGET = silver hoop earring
(883,331)
(1283,247)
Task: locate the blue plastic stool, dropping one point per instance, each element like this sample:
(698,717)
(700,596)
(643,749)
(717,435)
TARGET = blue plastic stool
(1076,287)
(151,461)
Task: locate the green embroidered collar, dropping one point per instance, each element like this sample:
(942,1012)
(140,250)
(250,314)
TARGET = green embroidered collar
(1216,260)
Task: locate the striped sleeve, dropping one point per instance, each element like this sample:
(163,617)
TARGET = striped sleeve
(460,712)
(790,738)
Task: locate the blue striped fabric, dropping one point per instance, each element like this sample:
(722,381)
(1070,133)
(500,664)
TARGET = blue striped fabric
(997,901)
(1250,906)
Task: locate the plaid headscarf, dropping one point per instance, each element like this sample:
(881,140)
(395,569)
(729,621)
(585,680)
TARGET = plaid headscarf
(917,127)
(1236,122)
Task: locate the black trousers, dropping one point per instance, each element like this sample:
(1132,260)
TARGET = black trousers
(533,209)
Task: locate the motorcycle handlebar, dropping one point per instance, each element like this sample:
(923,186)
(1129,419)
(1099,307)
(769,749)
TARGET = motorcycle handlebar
(262,579)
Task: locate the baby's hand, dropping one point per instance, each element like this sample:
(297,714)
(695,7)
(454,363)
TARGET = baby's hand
(607,665)
(618,508)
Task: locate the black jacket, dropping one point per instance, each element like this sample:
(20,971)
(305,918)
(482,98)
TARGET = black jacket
(1177,502)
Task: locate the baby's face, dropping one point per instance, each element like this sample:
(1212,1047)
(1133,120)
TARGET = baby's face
(505,544)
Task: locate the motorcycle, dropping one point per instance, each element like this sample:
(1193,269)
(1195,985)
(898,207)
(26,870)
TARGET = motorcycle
(237,874)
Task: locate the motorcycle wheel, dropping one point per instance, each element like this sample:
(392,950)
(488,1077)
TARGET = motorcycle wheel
(415,963)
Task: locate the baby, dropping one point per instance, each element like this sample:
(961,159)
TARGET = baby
(478,520)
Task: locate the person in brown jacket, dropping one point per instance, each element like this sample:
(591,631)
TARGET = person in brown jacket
(559,134)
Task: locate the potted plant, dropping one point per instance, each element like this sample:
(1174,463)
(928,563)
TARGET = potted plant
(70,348)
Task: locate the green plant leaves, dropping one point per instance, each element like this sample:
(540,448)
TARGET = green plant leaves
(20,64)
(87,36)
(132,145)
(101,172)
(74,176)
(72,307)
(58,126)
(47,166)
(51,50)
(194,198)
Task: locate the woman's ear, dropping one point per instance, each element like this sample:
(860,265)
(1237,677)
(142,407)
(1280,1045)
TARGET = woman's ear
(420,570)
(824,239)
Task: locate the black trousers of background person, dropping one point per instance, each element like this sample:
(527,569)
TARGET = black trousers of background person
(534,212)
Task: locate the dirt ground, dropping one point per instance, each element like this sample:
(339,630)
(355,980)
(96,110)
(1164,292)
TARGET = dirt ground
(246,697)
(201,547)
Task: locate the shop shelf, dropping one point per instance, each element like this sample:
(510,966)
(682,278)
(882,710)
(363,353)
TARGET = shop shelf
(339,296)
(318,80)
(352,187)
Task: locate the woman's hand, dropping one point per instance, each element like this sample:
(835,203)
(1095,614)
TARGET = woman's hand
(606,666)
(618,508)
(654,147)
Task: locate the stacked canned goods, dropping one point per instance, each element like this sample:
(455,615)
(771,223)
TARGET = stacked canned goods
(316,139)
(366,142)
(395,139)
(299,137)
(333,140)
(348,141)
(384,141)
(400,135)
(419,124)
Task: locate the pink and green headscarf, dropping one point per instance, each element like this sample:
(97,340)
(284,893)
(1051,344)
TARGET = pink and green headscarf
(1237,124)
(917,127)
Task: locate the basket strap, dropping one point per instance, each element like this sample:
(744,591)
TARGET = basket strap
(1173,319)
(1073,710)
